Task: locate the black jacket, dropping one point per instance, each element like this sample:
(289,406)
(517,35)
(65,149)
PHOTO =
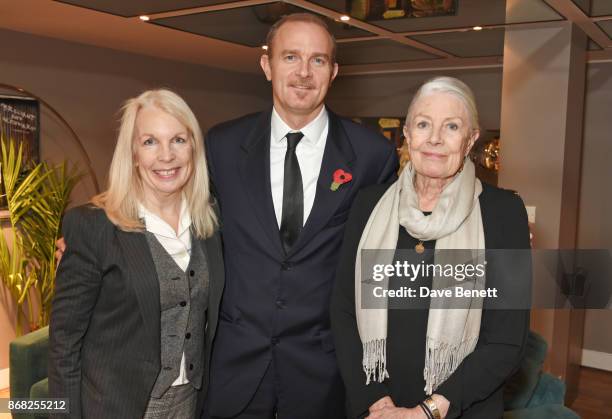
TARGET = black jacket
(104,348)
(277,305)
(475,388)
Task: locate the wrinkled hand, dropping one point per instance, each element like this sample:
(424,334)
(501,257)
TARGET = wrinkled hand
(60,244)
(384,402)
(389,412)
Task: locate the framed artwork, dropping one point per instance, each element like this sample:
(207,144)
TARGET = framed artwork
(20,122)
(485,155)
(372,10)
(391,128)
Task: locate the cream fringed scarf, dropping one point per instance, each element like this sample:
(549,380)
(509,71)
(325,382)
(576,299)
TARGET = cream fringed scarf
(455,223)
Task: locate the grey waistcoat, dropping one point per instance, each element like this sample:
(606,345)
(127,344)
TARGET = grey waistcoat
(183,302)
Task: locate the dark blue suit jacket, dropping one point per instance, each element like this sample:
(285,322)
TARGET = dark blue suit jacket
(276,304)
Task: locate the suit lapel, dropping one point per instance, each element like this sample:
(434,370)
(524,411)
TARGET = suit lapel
(254,166)
(216,281)
(143,276)
(338,154)
(214,259)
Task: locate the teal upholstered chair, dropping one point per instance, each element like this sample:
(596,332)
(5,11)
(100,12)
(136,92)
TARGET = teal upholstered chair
(28,367)
(533,394)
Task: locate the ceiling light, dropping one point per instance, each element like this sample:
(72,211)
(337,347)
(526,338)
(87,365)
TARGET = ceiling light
(477,28)
(144,18)
(264,47)
(345,18)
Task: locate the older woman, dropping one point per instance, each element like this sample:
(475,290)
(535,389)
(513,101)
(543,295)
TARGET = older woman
(138,287)
(429,363)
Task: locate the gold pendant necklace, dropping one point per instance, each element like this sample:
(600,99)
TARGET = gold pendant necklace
(420,248)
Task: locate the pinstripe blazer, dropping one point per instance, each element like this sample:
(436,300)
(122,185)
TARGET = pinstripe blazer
(104,352)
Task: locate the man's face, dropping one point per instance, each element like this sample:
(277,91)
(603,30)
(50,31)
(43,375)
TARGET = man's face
(300,68)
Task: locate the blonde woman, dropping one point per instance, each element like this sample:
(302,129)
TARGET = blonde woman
(139,284)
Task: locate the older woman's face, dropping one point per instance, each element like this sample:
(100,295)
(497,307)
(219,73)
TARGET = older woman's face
(162,153)
(439,135)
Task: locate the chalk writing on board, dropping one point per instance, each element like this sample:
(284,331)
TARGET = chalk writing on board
(16,118)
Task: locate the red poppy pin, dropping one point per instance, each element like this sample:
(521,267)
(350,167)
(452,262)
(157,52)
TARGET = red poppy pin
(340,178)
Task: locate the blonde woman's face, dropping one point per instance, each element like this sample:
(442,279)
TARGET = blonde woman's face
(162,153)
(439,135)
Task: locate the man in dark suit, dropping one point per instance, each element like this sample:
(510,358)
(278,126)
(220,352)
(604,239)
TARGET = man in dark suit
(285,180)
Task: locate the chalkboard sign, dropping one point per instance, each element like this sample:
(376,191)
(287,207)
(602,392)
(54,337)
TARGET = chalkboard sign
(20,122)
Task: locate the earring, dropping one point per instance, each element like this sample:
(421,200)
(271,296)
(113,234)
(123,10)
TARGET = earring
(461,167)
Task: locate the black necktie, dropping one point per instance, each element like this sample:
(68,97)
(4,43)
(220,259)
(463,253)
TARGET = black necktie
(293,195)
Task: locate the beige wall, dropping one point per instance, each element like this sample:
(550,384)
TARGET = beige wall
(389,95)
(87,85)
(595,219)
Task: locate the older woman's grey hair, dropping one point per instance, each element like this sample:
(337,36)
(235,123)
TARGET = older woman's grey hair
(453,86)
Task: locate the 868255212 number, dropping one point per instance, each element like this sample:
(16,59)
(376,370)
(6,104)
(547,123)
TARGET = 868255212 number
(34,406)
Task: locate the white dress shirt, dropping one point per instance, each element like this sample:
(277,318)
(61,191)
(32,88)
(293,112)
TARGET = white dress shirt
(309,152)
(178,247)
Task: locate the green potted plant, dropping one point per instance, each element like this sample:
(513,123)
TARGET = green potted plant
(36,196)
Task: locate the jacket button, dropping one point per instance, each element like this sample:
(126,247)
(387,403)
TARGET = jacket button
(187,335)
(183,303)
(191,272)
(190,366)
(275,341)
(285,266)
(280,303)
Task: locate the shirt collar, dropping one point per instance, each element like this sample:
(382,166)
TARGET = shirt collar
(156,225)
(312,131)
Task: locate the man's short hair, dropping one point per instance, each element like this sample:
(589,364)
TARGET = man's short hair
(301,17)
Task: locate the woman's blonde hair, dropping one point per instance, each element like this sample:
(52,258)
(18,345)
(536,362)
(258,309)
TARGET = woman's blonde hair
(443,84)
(120,201)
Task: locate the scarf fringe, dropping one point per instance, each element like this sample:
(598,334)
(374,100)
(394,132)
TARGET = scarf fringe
(375,360)
(442,359)
(455,224)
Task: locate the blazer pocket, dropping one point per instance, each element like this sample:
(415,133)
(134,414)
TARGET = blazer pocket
(224,316)
(338,218)
(326,340)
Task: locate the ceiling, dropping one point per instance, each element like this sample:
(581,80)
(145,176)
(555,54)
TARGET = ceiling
(229,34)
